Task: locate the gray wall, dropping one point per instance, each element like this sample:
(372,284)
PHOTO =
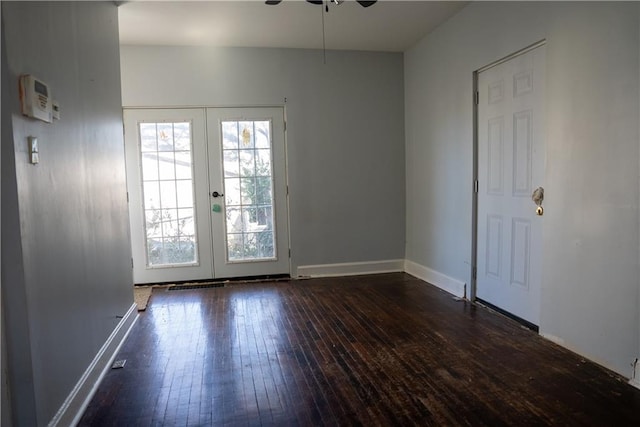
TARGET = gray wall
(345,134)
(66,271)
(5,415)
(590,284)
(8,182)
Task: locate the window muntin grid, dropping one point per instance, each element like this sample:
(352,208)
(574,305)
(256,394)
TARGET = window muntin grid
(168,194)
(248,188)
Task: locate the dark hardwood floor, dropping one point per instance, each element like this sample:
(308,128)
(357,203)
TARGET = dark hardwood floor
(369,350)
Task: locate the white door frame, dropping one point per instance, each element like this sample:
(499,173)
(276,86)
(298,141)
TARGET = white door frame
(204,108)
(474,188)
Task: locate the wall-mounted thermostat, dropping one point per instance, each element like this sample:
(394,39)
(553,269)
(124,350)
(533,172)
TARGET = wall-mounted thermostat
(35,98)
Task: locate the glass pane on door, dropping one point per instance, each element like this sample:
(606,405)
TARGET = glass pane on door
(168,193)
(248,187)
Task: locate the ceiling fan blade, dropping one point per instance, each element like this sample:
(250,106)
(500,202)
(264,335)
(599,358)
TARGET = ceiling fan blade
(363,3)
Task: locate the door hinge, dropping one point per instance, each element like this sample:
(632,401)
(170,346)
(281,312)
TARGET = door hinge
(477,98)
(132,263)
(289,252)
(475,186)
(127,197)
(287,190)
(285,125)
(474,271)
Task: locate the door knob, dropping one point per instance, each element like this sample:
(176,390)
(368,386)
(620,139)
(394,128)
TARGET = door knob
(216,194)
(538,197)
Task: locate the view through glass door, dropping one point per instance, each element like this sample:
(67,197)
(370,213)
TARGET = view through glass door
(249,223)
(206,205)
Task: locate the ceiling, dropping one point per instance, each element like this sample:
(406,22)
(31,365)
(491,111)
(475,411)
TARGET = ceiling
(388,25)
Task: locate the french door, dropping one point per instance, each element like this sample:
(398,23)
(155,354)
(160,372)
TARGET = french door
(207,193)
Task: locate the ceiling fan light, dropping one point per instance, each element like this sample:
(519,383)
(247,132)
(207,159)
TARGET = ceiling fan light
(273,2)
(365,3)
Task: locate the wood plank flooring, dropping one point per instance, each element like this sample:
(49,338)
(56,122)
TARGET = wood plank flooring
(378,350)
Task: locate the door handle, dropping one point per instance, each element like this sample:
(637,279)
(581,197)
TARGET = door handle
(216,194)
(538,197)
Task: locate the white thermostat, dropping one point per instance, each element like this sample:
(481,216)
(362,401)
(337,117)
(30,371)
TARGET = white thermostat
(35,98)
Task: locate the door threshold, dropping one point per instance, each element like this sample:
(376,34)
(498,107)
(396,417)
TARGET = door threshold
(511,316)
(211,283)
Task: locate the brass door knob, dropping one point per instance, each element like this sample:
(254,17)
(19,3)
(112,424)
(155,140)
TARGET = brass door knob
(538,197)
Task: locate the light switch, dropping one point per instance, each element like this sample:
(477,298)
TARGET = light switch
(55,108)
(34,155)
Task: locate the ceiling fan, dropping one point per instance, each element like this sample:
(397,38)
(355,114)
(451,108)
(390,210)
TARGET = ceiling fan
(362,3)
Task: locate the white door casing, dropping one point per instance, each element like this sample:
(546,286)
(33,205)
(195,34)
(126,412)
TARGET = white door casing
(174,164)
(511,164)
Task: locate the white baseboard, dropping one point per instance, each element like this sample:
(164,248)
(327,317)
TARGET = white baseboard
(351,268)
(74,406)
(554,339)
(442,281)
(590,357)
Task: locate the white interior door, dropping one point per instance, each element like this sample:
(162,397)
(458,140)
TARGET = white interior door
(207,192)
(511,165)
(247,171)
